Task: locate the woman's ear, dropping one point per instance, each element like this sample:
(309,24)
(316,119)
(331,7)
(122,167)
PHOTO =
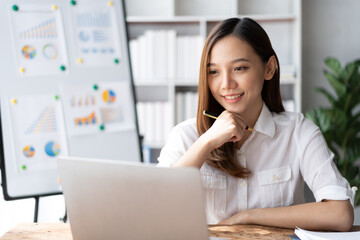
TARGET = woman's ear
(270,68)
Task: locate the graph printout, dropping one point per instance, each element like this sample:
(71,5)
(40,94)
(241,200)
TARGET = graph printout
(103,107)
(96,32)
(38,130)
(39,42)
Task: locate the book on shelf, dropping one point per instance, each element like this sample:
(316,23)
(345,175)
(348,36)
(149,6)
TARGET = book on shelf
(289,105)
(161,55)
(188,58)
(186,105)
(155,121)
(156,118)
(179,107)
(171,54)
(287,74)
(146,152)
(150,154)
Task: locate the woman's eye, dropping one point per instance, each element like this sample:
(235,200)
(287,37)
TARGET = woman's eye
(240,68)
(211,72)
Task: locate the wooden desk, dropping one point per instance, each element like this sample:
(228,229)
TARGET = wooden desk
(39,231)
(250,232)
(61,231)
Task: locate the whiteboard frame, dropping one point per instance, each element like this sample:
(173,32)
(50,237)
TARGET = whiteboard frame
(123,29)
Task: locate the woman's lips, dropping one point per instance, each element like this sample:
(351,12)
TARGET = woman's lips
(233,98)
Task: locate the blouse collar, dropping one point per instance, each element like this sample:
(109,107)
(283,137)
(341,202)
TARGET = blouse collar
(265,123)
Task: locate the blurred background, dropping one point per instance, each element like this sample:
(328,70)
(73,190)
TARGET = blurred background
(165,42)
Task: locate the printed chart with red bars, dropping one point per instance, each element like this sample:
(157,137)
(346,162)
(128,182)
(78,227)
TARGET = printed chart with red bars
(87,120)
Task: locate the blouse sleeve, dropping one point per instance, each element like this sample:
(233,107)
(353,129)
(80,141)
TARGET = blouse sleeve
(179,141)
(318,168)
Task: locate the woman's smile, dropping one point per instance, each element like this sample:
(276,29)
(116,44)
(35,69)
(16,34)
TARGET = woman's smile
(233,98)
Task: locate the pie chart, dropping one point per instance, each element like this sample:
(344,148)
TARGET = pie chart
(49,51)
(29,151)
(52,149)
(84,36)
(28,52)
(109,96)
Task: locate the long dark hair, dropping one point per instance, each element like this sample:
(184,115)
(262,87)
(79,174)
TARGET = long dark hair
(250,31)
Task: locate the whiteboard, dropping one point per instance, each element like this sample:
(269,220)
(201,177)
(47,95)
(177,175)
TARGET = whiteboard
(65,89)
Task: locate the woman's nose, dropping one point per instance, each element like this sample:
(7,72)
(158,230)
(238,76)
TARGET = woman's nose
(227,81)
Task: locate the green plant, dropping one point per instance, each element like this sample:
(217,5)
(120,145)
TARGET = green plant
(340,123)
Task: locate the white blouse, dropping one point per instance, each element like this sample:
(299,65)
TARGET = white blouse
(285,150)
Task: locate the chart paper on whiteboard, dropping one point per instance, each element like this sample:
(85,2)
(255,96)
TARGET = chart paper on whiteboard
(39,42)
(39,134)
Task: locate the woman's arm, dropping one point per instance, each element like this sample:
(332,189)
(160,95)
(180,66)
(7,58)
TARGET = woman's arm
(196,155)
(328,215)
(229,127)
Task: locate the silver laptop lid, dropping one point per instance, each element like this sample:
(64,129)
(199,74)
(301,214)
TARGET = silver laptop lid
(109,199)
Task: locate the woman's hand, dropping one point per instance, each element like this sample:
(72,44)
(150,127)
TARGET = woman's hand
(327,215)
(239,218)
(228,127)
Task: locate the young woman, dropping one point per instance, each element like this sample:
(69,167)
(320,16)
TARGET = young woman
(256,177)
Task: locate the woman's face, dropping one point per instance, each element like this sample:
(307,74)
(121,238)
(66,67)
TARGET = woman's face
(236,75)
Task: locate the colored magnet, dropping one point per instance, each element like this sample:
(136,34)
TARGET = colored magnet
(73,2)
(110,3)
(13,101)
(62,68)
(15,8)
(22,70)
(95,87)
(56,97)
(102,127)
(54,7)
(116,61)
(23,167)
(79,60)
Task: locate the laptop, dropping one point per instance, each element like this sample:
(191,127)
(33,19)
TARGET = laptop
(110,199)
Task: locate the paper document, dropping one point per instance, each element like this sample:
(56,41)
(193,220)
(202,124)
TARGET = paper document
(310,235)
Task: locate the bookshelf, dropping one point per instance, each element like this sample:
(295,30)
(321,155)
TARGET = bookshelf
(166,39)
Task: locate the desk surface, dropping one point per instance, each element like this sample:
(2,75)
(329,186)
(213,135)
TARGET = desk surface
(61,231)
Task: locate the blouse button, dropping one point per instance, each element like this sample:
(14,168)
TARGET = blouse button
(243,183)
(276,177)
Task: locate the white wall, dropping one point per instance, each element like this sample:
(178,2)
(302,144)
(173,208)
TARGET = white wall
(51,209)
(14,212)
(330,28)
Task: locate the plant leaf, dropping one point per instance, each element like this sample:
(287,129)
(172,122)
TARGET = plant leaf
(334,65)
(337,117)
(353,151)
(349,71)
(337,85)
(351,172)
(319,118)
(354,84)
(355,119)
(340,124)
(330,97)
(345,103)
(355,128)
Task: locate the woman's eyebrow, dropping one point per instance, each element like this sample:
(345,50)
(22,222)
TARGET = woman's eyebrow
(233,61)
(240,60)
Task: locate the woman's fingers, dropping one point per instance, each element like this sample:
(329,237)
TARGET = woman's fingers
(229,126)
